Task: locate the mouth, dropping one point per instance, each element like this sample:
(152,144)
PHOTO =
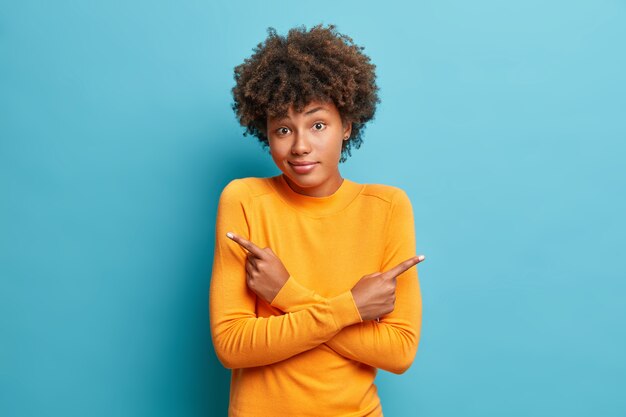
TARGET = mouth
(303,167)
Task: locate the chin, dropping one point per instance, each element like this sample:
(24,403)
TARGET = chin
(304,181)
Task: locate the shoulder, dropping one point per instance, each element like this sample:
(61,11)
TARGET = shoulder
(244,189)
(389,193)
(399,210)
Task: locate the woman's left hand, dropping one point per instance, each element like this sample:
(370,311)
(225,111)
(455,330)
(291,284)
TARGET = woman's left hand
(265,273)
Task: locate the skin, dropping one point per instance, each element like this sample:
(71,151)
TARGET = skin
(315,134)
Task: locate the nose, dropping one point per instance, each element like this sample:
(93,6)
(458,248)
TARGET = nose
(301,144)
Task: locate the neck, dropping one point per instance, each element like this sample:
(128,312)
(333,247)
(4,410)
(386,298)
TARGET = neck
(322,190)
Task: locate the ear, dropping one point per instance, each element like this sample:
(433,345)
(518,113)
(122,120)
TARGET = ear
(347,129)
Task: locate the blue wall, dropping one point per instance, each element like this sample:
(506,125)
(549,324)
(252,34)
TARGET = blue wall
(503,121)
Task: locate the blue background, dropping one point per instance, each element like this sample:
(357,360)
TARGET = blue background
(503,121)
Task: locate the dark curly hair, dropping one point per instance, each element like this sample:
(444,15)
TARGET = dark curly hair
(316,65)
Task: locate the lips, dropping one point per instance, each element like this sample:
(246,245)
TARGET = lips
(302,162)
(303,167)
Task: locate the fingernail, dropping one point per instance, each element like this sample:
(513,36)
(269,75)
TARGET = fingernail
(229,234)
(420,258)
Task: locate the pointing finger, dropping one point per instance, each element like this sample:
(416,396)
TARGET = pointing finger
(404,266)
(251,259)
(247,245)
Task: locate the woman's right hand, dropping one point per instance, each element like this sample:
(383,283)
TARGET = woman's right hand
(375,294)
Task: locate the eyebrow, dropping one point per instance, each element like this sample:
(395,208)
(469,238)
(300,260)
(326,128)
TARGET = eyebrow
(314,110)
(306,113)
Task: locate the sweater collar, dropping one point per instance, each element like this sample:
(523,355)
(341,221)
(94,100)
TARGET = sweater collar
(317,206)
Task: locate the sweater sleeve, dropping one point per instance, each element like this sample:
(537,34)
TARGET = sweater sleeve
(390,344)
(240,338)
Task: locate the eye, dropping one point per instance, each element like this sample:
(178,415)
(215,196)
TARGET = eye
(319,126)
(282,130)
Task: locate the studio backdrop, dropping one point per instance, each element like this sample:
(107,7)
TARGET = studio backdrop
(503,122)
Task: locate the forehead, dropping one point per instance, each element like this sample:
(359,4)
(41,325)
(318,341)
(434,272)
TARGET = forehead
(313,107)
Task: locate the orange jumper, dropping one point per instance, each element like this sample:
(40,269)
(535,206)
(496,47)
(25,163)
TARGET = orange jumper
(309,353)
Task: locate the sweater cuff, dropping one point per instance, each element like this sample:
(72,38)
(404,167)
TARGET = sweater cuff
(345,311)
(293,296)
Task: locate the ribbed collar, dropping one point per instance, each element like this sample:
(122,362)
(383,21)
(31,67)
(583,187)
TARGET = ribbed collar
(317,206)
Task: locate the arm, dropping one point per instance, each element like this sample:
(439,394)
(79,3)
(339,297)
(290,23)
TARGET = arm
(390,344)
(241,339)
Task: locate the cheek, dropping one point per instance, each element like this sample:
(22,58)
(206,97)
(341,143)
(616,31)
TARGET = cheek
(274,147)
(278,151)
(335,146)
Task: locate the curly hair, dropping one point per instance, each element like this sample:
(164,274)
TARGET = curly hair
(316,65)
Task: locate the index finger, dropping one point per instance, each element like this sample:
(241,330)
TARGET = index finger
(246,244)
(403,266)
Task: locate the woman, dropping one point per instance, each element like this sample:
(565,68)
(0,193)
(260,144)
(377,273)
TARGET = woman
(312,287)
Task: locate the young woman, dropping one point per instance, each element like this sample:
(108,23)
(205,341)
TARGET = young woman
(312,287)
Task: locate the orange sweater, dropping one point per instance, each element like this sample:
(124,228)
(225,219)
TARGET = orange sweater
(309,353)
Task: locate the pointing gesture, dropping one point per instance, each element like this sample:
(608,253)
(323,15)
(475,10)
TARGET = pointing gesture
(375,294)
(247,245)
(403,266)
(265,273)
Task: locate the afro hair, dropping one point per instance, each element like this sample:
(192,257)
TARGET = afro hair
(304,66)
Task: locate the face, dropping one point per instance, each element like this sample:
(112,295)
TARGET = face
(306,147)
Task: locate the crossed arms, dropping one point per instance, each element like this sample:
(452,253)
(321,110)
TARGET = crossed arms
(345,323)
